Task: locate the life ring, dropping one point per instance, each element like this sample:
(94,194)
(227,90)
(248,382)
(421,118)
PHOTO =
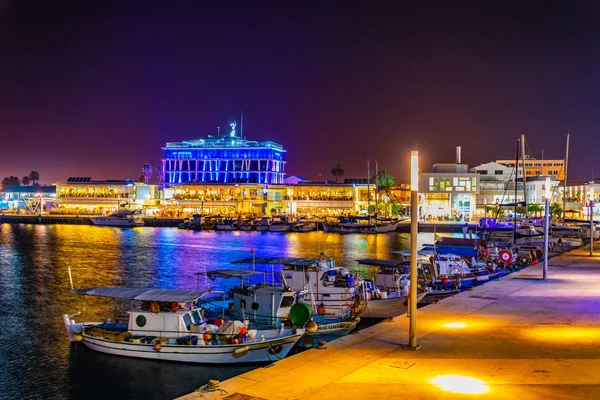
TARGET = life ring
(484,253)
(505,256)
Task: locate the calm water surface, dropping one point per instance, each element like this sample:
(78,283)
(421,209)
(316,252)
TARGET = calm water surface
(36,358)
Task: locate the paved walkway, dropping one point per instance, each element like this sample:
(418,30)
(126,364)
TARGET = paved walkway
(520,338)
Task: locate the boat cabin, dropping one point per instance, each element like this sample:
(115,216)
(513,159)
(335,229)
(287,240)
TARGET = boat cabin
(158,312)
(388,271)
(264,302)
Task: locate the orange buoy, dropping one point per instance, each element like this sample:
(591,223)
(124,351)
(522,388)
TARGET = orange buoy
(157,346)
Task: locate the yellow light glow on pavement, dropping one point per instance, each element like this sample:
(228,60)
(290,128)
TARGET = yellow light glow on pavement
(460,384)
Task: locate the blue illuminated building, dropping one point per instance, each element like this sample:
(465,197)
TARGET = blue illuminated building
(223,159)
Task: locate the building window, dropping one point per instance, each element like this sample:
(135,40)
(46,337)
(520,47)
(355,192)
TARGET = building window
(499,172)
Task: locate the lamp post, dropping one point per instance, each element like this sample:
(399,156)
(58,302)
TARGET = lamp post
(592,220)
(546,226)
(414,212)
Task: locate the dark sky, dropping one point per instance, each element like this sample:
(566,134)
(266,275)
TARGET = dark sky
(96,88)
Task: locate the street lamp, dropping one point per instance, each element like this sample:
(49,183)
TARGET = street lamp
(414,192)
(546,226)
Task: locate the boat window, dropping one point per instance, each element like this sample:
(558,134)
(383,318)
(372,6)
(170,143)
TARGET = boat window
(187,319)
(287,301)
(195,316)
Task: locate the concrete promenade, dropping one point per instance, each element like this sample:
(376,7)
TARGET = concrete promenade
(517,338)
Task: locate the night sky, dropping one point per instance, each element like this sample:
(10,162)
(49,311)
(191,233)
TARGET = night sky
(96,88)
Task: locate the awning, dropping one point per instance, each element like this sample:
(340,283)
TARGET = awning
(380,263)
(231,273)
(143,294)
(518,203)
(278,260)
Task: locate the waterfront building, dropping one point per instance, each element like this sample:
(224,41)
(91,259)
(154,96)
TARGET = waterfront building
(26,199)
(579,194)
(84,196)
(497,186)
(229,158)
(535,167)
(302,199)
(449,192)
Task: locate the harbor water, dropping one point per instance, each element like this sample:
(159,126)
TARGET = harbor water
(35,291)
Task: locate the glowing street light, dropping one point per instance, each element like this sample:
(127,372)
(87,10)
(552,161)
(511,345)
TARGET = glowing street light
(414,211)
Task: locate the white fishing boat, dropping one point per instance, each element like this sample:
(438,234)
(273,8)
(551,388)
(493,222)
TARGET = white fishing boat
(166,325)
(264,302)
(123,218)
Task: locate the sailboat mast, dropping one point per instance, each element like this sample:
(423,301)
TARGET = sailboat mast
(376,189)
(524,173)
(516,190)
(368,187)
(565,178)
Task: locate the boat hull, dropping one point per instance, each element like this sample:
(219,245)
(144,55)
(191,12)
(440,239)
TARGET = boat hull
(267,351)
(106,221)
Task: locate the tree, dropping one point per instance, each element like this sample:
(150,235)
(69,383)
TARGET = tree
(534,209)
(385,181)
(34,177)
(11,181)
(147,172)
(337,171)
(496,211)
(556,210)
(25,180)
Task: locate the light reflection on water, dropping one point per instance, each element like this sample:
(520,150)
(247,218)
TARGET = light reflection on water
(38,361)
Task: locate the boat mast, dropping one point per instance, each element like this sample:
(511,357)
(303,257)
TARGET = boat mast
(524,173)
(565,178)
(368,187)
(377,189)
(516,191)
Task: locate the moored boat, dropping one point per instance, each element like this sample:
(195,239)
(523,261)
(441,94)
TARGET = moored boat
(166,325)
(123,218)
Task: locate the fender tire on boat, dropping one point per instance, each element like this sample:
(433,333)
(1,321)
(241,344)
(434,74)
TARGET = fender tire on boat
(240,351)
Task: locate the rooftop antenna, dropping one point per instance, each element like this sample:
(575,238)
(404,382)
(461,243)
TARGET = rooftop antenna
(242,126)
(218,131)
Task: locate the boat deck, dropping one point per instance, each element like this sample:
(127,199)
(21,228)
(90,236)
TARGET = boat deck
(520,337)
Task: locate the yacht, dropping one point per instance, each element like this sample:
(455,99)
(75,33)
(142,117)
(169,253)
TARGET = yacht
(123,218)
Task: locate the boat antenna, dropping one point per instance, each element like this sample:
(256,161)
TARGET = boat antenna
(218,131)
(242,125)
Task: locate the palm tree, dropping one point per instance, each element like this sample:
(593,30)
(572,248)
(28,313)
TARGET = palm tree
(34,177)
(556,210)
(337,171)
(11,181)
(385,181)
(147,172)
(25,180)
(534,209)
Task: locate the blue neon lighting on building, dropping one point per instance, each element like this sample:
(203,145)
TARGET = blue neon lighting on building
(251,161)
